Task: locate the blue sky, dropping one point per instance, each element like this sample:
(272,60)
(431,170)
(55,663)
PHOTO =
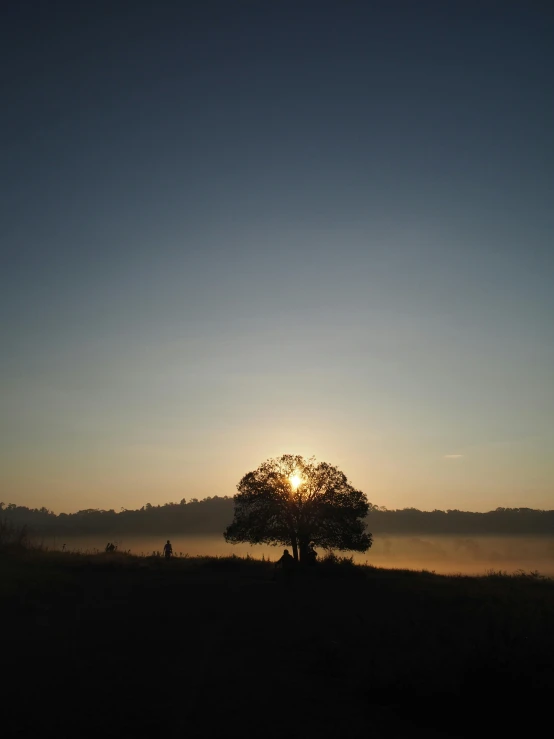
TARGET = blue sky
(231,230)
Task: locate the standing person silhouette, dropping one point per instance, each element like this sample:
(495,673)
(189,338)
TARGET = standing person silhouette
(168,550)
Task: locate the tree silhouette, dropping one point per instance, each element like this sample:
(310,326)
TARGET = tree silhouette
(290,500)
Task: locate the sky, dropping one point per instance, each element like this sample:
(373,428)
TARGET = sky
(233,230)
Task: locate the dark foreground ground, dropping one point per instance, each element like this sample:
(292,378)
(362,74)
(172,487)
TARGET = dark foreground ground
(121,646)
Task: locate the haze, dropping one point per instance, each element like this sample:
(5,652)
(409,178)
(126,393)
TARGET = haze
(466,555)
(235,230)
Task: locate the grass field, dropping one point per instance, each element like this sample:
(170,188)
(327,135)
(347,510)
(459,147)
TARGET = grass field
(117,645)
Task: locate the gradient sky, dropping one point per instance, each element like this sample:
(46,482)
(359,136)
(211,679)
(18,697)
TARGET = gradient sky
(231,230)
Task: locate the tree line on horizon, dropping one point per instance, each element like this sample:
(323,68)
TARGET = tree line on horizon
(213,514)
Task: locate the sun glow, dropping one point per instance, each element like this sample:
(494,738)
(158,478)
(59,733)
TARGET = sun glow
(295,481)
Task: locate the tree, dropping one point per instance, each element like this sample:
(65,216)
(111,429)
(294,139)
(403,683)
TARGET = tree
(290,500)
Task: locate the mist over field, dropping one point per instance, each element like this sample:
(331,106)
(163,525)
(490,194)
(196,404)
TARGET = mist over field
(443,554)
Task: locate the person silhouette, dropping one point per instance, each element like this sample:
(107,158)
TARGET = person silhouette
(287,563)
(312,554)
(168,550)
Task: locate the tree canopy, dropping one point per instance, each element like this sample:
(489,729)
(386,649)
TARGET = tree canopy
(291,500)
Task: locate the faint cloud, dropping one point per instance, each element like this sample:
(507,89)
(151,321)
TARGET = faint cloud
(453,456)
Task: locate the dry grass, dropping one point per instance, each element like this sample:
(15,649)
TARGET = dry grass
(208,645)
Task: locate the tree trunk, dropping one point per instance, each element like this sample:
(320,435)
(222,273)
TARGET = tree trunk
(294,544)
(303,547)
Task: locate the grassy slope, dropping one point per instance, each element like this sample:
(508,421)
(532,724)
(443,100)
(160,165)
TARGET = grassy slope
(120,645)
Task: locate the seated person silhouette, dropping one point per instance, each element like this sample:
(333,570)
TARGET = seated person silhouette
(311,554)
(287,564)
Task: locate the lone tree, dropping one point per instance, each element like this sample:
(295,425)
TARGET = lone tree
(293,501)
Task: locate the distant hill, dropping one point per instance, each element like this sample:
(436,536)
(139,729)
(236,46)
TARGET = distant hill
(212,515)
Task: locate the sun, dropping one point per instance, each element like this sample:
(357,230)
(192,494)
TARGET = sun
(295,481)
